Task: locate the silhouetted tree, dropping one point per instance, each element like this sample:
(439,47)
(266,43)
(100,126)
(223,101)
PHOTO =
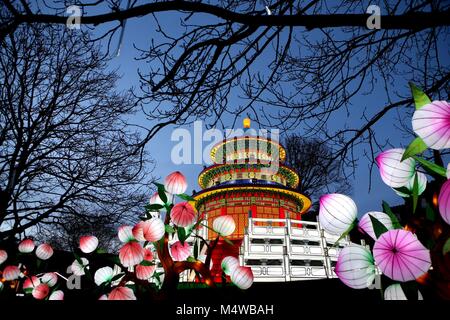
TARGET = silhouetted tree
(309,158)
(293,64)
(66,152)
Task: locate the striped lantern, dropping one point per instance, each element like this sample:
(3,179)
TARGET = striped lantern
(421,183)
(337,213)
(50,279)
(175,183)
(44,251)
(448,171)
(41,291)
(432,123)
(224,225)
(131,254)
(11,273)
(3,256)
(355,267)
(78,267)
(395,292)
(242,277)
(122,293)
(57,295)
(125,234)
(183,214)
(150,230)
(26,246)
(179,251)
(394,172)
(103,275)
(144,272)
(365,224)
(444,201)
(30,283)
(88,244)
(229,264)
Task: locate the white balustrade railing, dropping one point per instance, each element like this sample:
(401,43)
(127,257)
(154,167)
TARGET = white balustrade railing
(305,250)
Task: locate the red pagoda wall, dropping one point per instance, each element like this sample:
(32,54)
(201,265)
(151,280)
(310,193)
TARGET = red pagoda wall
(239,205)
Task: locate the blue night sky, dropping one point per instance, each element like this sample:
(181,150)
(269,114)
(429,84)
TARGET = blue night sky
(141,31)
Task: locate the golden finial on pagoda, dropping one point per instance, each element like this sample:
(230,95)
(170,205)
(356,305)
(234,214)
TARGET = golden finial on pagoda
(246,122)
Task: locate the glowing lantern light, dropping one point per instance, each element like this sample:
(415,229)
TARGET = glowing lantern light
(242,277)
(183,214)
(394,172)
(444,201)
(337,213)
(229,264)
(395,292)
(26,246)
(88,244)
(224,225)
(175,183)
(44,251)
(366,225)
(355,267)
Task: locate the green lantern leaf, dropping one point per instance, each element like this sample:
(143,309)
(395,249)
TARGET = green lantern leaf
(430,214)
(387,209)
(117,277)
(181,232)
(378,227)
(346,232)
(415,147)
(446,247)
(185,197)
(404,190)
(169,228)
(420,98)
(147,263)
(161,192)
(153,207)
(431,167)
(77,257)
(228,241)
(191,259)
(415,192)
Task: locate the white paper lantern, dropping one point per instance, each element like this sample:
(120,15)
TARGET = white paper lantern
(421,183)
(229,264)
(26,246)
(103,275)
(366,225)
(242,277)
(88,244)
(11,273)
(224,225)
(431,123)
(50,278)
(3,256)
(355,267)
(395,292)
(337,213)
(44,251)
(394,172)
(57,295)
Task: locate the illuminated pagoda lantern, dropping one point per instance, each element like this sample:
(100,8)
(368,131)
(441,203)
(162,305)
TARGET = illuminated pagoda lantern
(249,182)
